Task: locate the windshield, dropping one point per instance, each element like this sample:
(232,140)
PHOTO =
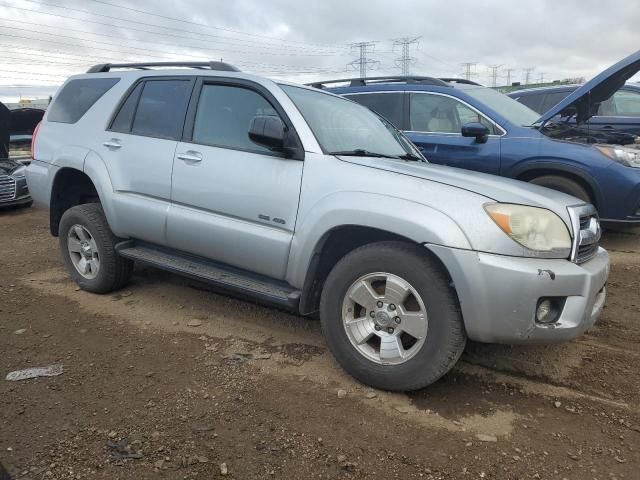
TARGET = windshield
(341,125)
(507,107)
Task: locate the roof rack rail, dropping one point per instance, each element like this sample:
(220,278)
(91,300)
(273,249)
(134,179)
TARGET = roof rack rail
(463,81)
(361,82)
(219,66)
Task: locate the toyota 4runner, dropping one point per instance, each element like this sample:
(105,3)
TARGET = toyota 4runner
(312,202)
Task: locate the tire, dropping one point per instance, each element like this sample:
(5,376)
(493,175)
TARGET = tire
(110,271)
(432,356)
(564,185)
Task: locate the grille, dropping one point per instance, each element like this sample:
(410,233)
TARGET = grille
(7,188)
(588,237)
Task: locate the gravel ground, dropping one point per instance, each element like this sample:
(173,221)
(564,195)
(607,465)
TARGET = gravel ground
(167,379)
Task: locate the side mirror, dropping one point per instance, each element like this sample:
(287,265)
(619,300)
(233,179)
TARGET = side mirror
(477,130)
(268,131)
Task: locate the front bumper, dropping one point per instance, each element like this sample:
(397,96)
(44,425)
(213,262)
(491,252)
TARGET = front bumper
(498,294)
(20,195)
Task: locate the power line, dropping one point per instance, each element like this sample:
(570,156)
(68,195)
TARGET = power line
(541,77)
(182,36)
(406,60)
(494,74)
(204,25)
(468,70)
(363,62)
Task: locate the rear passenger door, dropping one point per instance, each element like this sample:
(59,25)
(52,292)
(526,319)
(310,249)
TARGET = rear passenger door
(138,148)
(233,200)
(435,126)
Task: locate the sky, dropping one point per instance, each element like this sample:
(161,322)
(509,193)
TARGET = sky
(44,41)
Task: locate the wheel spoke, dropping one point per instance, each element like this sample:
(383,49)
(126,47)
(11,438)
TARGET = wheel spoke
(83,266)
(74,245)
(361,329)
(391,349)
(93,266)
(396,291)
(80,233)
(363,294)
(413,323)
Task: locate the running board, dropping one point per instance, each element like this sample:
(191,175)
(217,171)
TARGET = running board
(222,276)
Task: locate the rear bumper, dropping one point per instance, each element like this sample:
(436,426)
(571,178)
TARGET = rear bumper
(499,295)
(40,176)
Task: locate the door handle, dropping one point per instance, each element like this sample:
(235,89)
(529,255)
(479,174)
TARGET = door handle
(190,157)
(113,143)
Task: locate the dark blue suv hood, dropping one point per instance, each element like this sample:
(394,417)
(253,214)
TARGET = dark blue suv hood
(583,101)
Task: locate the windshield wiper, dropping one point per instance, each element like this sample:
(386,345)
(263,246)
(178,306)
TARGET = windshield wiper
(360,152)
(411,157)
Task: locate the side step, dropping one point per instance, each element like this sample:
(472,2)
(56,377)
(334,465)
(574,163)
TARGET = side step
(223,276)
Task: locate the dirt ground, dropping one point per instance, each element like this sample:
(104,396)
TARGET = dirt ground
(166,379)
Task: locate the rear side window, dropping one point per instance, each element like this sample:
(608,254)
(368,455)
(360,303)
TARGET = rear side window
(388,105)
(124,118)
(161,108)
(78,96)
(534,102)
(552,99)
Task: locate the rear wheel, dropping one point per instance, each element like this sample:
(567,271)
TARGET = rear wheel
(390,317)
(564,185)
(88,249)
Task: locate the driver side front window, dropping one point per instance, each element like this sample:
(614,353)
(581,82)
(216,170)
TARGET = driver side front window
(442,114)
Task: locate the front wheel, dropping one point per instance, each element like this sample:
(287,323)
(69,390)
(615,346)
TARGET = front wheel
(391,318)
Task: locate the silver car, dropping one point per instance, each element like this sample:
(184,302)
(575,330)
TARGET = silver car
(311,202)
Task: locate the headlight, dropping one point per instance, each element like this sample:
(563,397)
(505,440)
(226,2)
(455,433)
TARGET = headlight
(18,173)
(629,157)
(536,229)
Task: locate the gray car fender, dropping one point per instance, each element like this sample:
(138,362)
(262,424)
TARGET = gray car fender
(415,221)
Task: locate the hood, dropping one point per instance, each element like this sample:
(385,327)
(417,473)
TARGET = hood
(583,102)
(492,187)
(7,167)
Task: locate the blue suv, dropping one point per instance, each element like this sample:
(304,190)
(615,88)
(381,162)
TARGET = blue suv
(462,124)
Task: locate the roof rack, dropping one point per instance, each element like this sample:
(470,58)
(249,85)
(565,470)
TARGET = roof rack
(219,66)
(463,81)
(361,82)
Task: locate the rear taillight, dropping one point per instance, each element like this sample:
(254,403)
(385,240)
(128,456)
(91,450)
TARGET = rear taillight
(33,141)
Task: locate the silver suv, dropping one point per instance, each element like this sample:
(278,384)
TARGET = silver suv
(311,202)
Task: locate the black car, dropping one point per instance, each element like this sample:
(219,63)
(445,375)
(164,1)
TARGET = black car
(13,184)
(16,130)
(620,113)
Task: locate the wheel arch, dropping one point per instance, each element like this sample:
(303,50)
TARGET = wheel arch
(527,173)
(70,187)
(335,245)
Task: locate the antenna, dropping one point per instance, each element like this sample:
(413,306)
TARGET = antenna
(468,70)
(494,74)
(406,60)
(526,72)
(363,62)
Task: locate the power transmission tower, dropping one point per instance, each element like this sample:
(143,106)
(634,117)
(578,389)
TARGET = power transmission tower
(526,72)
(468,70)
(363,62)
(541,77)
(508,73)
(494,74)
(406,60)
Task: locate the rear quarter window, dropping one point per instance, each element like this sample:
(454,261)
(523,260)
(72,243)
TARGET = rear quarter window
(77,97)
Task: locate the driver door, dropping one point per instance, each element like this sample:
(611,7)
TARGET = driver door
(435,124)
(232,200)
